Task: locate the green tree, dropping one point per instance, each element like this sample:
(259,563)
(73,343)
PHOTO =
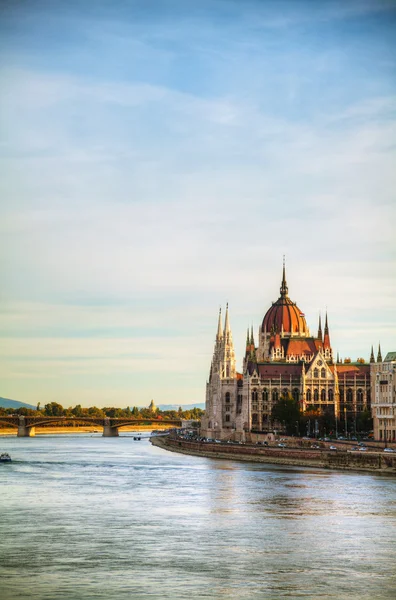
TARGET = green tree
(287,411)
(364,421)
(53,409)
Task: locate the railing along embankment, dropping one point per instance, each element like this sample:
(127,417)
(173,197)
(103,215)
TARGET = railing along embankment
(354,461)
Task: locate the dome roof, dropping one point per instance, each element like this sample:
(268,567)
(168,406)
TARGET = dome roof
(284,314)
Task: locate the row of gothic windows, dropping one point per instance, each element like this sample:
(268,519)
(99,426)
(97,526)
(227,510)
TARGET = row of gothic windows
(330,395)
(275,395)
(349,395)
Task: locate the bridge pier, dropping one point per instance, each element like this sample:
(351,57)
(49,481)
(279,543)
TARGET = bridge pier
(108,430)
(24,430)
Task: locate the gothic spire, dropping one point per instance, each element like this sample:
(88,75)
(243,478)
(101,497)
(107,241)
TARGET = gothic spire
(227,322)
(219,328)
(320,337)
(372,359)
(379,355)
(284,290)
(326,337)
(251,336)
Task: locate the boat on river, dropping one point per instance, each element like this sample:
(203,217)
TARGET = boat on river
(5,457)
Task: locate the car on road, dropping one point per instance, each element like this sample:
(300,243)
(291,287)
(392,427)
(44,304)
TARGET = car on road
(362,449)
(389,450)
(332,448)
(281,445)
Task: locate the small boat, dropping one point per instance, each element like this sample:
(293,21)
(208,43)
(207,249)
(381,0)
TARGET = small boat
(5,457)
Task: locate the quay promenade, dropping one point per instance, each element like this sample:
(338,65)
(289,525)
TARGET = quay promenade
(375,460)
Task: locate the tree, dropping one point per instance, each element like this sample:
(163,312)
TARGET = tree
(287,411)
(53,409)
(364,421)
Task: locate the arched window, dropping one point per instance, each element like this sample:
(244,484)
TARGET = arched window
(296,394)
(228,418)
(331,395)
(349,395)
(309,396)
(275,396)
(323,373)
(265,395)
(210,424)
(228,397)
(323,395)
(316,395)
(254,396)
(316,373)
(285,392)
(360,395)
(254,419)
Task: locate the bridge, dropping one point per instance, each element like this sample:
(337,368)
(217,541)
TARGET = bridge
(27,425)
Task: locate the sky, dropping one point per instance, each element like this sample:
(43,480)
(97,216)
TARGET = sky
(158,159)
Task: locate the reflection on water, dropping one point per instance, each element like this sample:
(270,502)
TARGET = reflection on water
(89,517)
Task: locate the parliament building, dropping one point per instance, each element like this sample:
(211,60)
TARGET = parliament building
(287,361)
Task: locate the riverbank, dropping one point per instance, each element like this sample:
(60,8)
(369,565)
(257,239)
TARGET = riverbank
(347,461)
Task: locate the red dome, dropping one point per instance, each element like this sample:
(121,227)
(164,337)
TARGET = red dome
(284,314)
(287,314)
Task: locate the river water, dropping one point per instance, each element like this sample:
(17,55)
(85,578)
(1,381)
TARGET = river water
(110,518)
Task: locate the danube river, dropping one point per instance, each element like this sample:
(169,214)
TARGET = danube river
(110,518)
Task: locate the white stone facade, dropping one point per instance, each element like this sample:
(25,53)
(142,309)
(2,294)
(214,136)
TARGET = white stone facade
(383,396)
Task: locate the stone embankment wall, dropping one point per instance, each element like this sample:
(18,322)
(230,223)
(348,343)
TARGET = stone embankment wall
(354,461)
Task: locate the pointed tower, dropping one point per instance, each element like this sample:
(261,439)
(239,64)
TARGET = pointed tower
(252,345)
(219,335)
(328,353)
(372,359)
(379,355)
(227,353)
(215,365)
(284,289)
(320,335)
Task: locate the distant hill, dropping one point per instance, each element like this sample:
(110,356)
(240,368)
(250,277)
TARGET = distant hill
(7,403)
(184,406)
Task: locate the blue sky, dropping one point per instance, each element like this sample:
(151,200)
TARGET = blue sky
(159,158)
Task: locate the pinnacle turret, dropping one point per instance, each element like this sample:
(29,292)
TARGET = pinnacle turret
(379,355)
(320,335)
(219,328)
(372,359)
(227,322)
(284,289)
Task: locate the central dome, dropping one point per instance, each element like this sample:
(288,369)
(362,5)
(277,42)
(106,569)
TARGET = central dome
(284,315)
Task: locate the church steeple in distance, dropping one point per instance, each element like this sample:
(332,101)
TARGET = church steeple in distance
(284,289)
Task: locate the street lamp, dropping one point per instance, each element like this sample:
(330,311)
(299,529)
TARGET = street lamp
(385,433)
(346,422)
